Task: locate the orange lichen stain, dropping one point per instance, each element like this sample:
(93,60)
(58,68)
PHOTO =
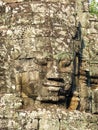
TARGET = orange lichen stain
(74,103)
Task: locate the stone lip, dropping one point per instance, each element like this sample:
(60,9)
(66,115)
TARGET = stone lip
(54,84)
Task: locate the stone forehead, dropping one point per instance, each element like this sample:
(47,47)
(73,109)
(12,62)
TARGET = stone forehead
(49,32)
(43,45)
(34,40)
(55,40)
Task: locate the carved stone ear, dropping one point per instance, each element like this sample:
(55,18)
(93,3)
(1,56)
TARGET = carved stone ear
(25,85)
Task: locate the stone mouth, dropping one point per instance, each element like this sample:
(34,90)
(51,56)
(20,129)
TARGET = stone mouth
(56,79)
(52,83)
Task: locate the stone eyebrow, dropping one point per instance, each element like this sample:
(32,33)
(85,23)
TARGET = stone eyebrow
(61,56)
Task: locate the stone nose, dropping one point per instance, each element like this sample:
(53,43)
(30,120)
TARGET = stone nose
(52,70)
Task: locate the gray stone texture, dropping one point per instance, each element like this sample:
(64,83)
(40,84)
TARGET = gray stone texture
(48,65)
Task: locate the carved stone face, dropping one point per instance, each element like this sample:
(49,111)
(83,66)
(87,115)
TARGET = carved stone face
(42,49)
(45,70)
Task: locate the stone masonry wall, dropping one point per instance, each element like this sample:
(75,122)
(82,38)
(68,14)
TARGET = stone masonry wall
(32,29)
(88,63)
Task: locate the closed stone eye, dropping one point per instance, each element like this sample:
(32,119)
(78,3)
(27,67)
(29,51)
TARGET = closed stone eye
(43,63)
(64,63)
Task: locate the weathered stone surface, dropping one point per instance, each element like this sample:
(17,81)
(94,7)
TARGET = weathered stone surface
(48,63)
(45,35)
(49,119)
